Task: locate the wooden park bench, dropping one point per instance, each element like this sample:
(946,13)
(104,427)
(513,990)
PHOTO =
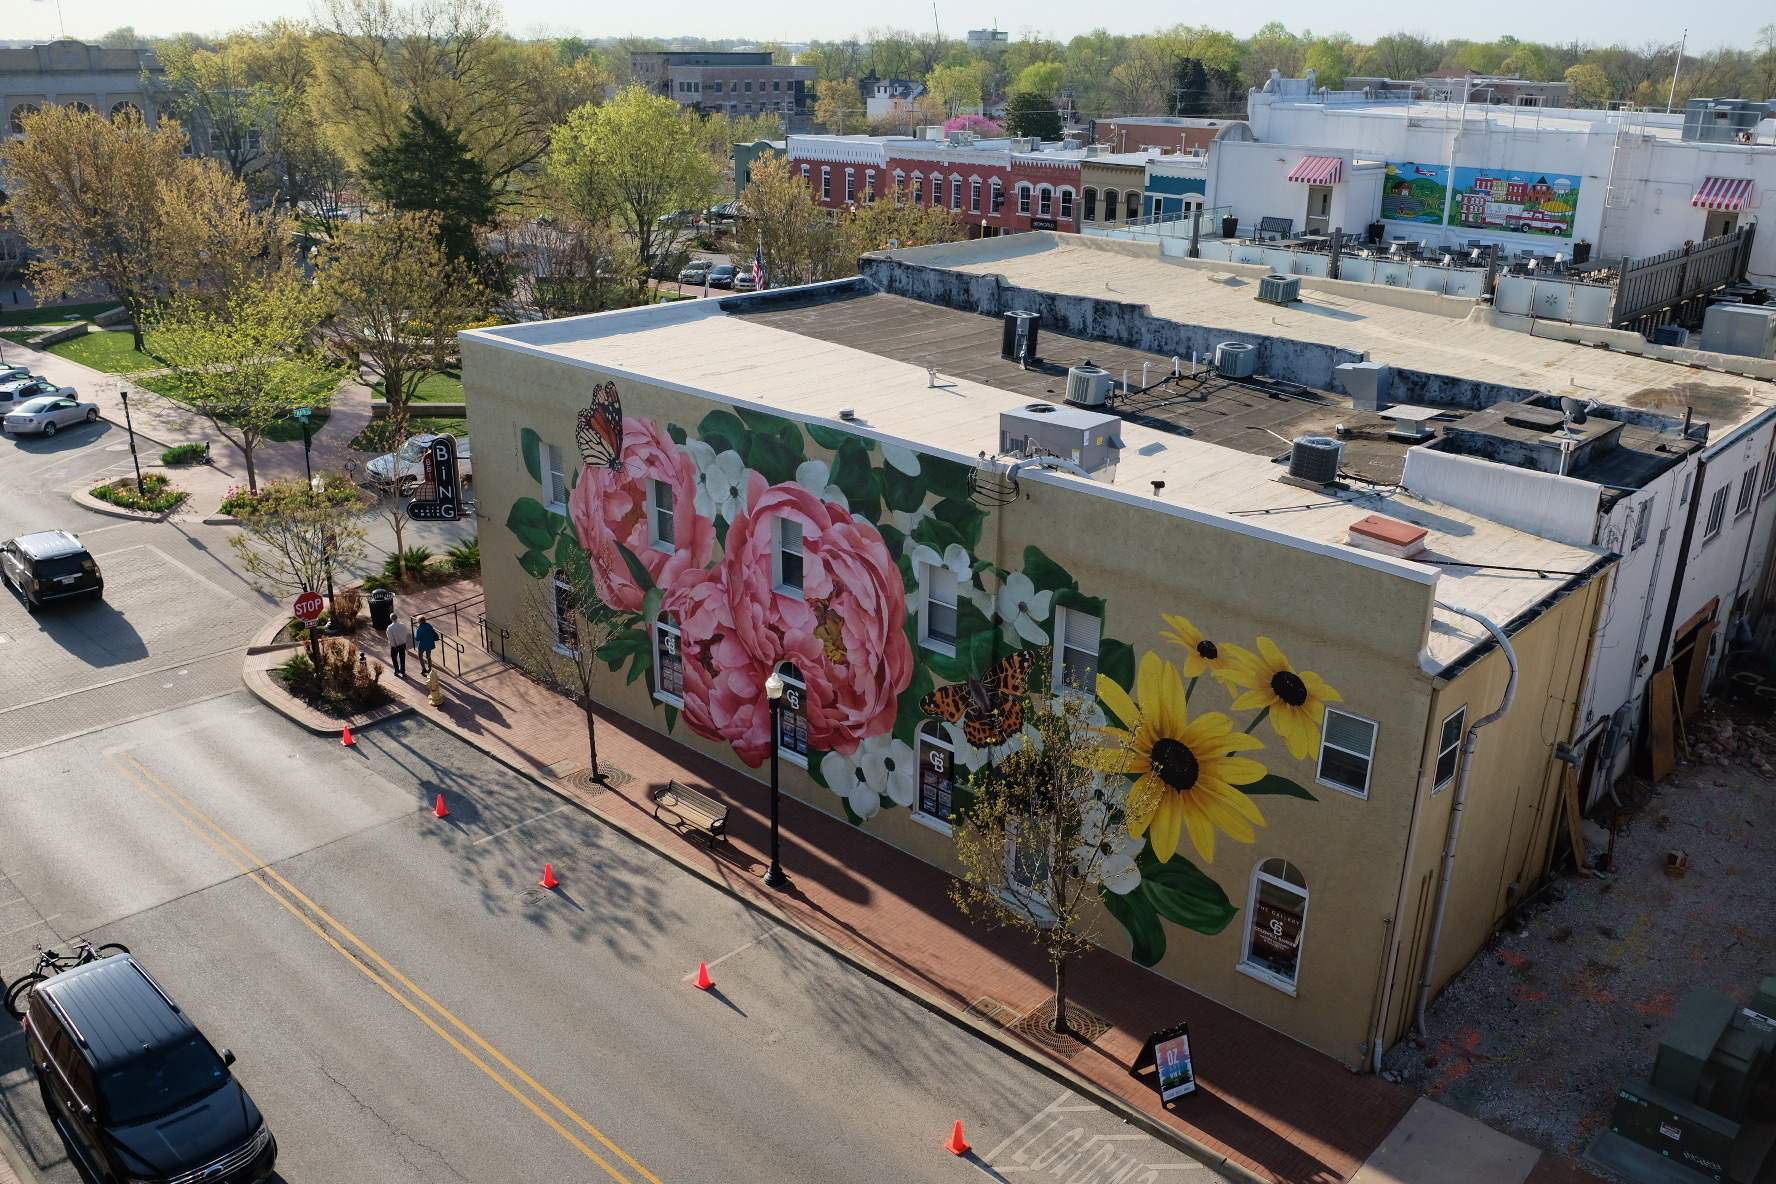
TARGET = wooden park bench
(686,810)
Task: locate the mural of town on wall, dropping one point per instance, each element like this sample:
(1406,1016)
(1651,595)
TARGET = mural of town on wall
(699,618)
(1485,199)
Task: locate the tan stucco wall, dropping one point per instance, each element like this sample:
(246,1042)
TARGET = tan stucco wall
(1359,628)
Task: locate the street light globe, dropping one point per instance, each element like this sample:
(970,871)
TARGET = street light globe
(774,687)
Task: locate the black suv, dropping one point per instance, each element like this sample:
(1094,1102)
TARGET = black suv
(135,1090)
(49,566)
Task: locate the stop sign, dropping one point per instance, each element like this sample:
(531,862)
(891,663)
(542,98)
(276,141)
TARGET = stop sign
(308,607)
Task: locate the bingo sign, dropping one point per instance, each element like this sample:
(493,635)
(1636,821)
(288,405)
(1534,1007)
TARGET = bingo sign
(1168,1052)
(440,499)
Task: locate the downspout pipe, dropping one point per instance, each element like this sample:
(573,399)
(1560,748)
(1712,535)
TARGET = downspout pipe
(1457,804)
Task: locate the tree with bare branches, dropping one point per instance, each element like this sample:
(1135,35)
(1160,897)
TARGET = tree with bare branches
(562,626)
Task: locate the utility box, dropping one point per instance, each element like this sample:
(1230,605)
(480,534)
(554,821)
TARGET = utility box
(1748,330)
(1701,1021)
(1366,383)
(1090,439)
(1652,1118)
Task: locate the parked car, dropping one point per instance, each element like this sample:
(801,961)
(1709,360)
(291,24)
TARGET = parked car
(743,281)
(696,273)
(133,1087)
(722,275)
(10,373)
(47,414)
(48,566)
(409,463)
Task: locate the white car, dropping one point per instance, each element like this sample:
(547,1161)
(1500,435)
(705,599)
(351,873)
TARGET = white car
(17,388)
(45,414)
(409,463)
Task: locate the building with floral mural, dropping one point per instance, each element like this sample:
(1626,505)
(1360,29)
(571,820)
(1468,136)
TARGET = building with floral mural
(841,487)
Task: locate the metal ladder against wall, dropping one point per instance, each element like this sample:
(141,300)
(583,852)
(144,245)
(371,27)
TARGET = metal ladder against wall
(1631,133)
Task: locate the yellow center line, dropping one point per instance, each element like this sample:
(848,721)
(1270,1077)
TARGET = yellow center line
(259,871)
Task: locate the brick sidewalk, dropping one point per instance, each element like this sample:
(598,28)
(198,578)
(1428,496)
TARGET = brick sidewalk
(1266,1102)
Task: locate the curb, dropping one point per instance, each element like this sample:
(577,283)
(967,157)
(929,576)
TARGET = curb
(259,681)
(221,520)
(1060,1073)
(87,501)
(118,422)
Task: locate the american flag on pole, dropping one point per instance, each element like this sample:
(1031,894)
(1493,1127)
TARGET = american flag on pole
(758,267)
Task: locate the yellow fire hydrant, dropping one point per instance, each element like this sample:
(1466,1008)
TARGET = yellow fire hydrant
(434,689)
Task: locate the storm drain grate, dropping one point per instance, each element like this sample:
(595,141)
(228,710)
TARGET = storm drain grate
(993,1011)
(1038,1027)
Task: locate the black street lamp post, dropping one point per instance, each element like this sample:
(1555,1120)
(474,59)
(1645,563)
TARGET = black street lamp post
(775,877)
(300,415)
(131,428)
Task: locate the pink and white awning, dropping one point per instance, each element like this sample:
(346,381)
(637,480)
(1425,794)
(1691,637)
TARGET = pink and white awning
(1319,170)
(1723,193)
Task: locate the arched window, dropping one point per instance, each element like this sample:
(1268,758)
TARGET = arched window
(1112,204)
(1023,199)
(955,192)
(1278,916)
(1091,204)
(20,113)
(825,183)
(81,107)
(850,185)
(937,192)
(125,107)
(974,196)
(668,660)
(937,772)
(869,186)
(805,170)
(1133,205)
(792,715)
(1067,204)
(918,189)
(1045,201)
(998,197)
(899,188)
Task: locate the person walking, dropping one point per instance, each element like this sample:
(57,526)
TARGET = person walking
(400,635)
(425,640)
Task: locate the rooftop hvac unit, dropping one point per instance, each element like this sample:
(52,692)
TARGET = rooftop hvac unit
(1090,439)
(1671,335)
(1088,385)
(1366,383)
(1316,459)
(1020,339)
(1748,330)
(1721,121)
(1279,289)
(1026,144)
(1236,359)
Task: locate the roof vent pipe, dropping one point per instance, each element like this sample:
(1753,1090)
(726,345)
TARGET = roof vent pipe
(1455,807)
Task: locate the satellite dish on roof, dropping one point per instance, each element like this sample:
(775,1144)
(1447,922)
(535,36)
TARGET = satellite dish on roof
(1573,409)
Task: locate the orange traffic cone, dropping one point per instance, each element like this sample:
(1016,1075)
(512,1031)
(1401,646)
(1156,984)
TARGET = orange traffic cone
(549,880)
(440,812)
(704,982)
(957,1144)
(347,738)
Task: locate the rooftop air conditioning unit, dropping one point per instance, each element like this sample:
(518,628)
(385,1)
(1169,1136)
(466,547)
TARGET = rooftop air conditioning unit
(1020,337)
(1088,385)
(1315,459)
(1090,439)
(1236,359)
(1671,335)
(1026,144)
(1279,289)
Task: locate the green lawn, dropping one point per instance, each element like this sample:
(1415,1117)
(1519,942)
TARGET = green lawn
(283,432)
(18,336)
(56,314)
(439,388)
(114,353)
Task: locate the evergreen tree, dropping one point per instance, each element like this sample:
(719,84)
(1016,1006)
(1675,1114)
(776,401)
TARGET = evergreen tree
(1190,87)
(1030,114)
(428,169)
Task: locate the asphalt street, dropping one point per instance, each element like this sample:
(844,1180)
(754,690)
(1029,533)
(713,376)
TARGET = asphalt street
(408,1005)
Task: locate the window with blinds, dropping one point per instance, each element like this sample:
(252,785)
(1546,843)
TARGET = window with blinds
(661,516)
(790,558)
(1347,750)
(554,479)
(1449,748)
(937,618)
(1076,651)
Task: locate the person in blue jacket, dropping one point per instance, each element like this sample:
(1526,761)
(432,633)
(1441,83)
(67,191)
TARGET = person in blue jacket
(425,640)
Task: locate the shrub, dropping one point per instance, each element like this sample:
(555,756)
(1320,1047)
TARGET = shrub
(156,494)
(348,606)
(377,581)
(465,556)
(185,454)
(284,497)
(345,684)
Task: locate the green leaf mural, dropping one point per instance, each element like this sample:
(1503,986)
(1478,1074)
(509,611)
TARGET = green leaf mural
(1141,920)
(534,526)
(1183,895)
(1271,783)
(723,431)
(530,445)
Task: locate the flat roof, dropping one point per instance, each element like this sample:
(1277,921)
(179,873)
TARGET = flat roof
(795,359)
(1470,346)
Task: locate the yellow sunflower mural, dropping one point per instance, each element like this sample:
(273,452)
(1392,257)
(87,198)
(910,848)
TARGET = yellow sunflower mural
(1294,700)
(1205,656)
(1184,769)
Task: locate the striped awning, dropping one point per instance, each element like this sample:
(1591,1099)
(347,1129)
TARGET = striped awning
(1319,170)
(1723,193)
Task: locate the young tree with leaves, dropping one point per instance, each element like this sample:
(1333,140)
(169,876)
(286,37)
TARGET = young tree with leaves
(633,161)
(562,626)
(838,104)
(1028,114)
(428,169)
(1041,837)
(394,299)
(296,538)
(802,242)
(245,364)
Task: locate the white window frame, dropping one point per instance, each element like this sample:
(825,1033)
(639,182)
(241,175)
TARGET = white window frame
(918,189)
(1439,780)
(1769,477)
(662,519)
(664,628)
(825,183)
(1717,513)
(931,733)
(997,199)
(869,187)
(1368,758)
(928,576)
(850,185)
(1747,492)
(555,489)
(974,195)
(780,549)
(1246,965)
(937,190)
(1643,519)
(955,192)
(1044,202)
(1058,677)
(1023,204)
(1066,211)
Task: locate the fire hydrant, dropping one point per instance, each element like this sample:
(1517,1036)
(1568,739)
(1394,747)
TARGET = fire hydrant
(434,689)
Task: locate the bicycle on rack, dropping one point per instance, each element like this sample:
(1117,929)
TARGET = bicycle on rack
(49,963)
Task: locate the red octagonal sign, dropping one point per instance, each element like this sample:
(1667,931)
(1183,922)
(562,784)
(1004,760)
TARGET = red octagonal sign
(309,606)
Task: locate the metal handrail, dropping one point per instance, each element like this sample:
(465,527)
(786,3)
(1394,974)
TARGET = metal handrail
(488,640)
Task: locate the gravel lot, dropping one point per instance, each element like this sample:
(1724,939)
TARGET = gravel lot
(1536,1035)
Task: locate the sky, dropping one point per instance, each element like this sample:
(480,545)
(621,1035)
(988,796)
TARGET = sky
(1631,22)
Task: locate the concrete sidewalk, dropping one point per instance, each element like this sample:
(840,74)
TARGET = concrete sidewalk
(1269,1108)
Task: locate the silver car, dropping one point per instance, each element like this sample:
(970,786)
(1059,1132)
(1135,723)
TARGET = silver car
(46,414)
(409,463)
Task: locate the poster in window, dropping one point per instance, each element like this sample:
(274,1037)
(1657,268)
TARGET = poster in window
(1276,935)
